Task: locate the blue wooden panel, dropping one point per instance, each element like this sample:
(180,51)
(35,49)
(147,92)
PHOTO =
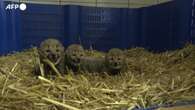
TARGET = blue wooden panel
(160,27)
(73,24)
(182,24)
(157,27)
(133,25)
(10,30)
(101,28)
(40,22)
(1,26)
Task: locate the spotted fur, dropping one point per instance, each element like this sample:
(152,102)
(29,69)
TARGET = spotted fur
(74,54)
(53,50)
(115,61)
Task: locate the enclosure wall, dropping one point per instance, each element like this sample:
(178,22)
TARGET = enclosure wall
(157,27)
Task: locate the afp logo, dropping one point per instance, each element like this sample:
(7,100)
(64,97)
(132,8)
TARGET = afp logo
(15,6)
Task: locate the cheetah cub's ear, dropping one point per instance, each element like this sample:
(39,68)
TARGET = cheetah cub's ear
(115,61)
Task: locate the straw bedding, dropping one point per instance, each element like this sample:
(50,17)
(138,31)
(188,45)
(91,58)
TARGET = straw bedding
(151,79)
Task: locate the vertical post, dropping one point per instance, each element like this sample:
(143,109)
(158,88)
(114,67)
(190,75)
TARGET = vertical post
(73,23)
(192,21)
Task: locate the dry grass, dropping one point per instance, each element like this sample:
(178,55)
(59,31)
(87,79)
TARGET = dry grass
(151,79)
